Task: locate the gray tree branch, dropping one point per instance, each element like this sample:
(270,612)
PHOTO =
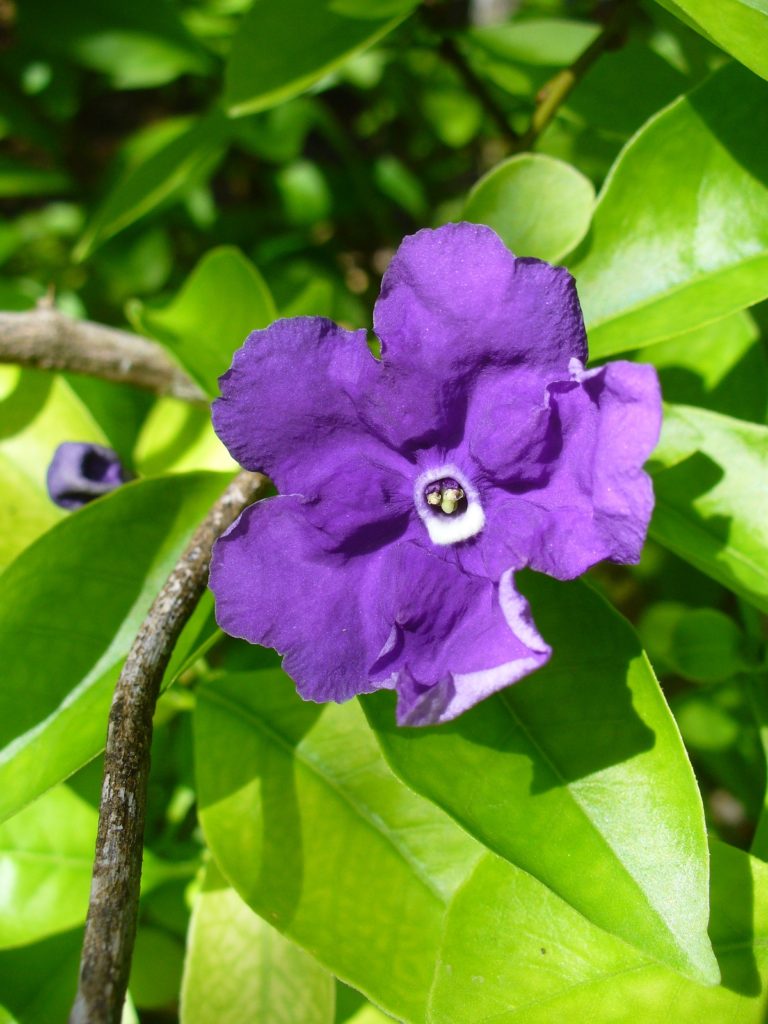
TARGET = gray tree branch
(48,340)
(110,928)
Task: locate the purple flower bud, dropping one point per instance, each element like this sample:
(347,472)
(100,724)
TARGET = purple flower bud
(80,472)
(415,486)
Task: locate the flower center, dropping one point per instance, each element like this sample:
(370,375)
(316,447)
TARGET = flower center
(445,497)
(448,505)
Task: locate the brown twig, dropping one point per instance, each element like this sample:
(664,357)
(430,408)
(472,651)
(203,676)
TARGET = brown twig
(48,340)
(110,928)
(557,90)
(450,52)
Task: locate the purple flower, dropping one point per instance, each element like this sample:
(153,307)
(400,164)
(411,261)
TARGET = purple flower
(80,472)
(413,487)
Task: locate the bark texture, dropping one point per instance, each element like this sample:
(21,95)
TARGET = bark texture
(48,340)
(110,929)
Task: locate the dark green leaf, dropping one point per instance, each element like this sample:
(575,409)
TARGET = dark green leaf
(170,170)
(284,46)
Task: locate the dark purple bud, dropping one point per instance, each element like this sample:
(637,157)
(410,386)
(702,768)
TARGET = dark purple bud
(80,472)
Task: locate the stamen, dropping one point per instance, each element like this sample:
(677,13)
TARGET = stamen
(446,495)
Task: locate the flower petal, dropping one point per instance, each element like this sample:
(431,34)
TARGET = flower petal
(365,503)
(275,585)
(596,500)
(456,300)
(290,400)
(457,638)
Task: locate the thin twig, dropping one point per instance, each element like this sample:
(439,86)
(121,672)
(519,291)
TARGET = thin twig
(451,53)
(110,929)
(557,90)
(48,340)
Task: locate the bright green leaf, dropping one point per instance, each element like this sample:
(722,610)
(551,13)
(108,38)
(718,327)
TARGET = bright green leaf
(238,968)
(538,205)
(680,232)
(721,366)
(711,483)
(284,46)
(163,177)
(310,826)
(515,954)
(70,607)
(221,302)
(584,757)
(739,26)
(46,859)
(178,437)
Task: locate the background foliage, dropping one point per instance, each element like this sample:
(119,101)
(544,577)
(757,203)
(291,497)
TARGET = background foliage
(192,169)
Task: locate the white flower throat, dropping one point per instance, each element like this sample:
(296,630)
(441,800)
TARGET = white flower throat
(448,505)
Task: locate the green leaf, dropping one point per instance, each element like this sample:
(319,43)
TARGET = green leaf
(138,45)
(238,968)
(584,757)
(178,437)
(70,607)
(46,858)
(18,179)
(680,232)
(223,299)
(739,26)
(284,46)
(170,170)
(37,411)
(538,205)
(317,836)
(707,646)
(721,366)
(38,982)
(156,968)
(514,953)
(709,475)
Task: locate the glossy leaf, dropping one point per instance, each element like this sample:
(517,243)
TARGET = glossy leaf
(70,607)
(680,232)
(582,757)
(722,366)
(709,474)
(315,833)
(514,953)
(284,46)
(739,26)
(172,169)
(538,205)
(238,968)
(221,302)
